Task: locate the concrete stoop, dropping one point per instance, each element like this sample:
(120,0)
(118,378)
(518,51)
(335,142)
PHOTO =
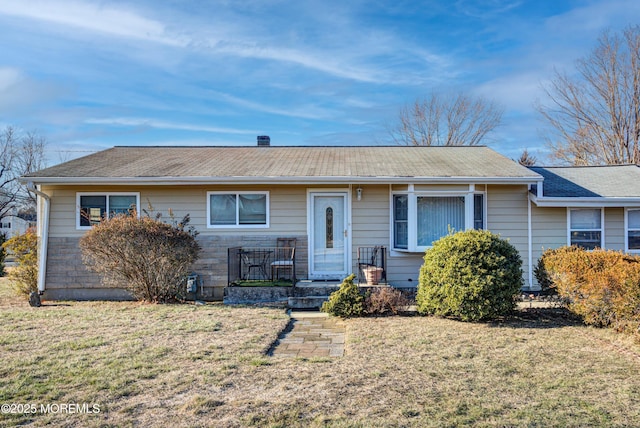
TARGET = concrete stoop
(307,302)
(305,296)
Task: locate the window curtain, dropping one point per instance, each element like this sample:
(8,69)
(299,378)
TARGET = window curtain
(223,209)
(253,209)
(585,228)
(436,215)
(585,219)
(634,219)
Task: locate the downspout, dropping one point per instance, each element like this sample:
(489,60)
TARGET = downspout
(44,235)
(529,243)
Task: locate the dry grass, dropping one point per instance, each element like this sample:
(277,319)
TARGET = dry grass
(173,365)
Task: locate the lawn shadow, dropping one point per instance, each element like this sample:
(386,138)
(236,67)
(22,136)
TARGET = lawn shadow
(538,318)
(283,333)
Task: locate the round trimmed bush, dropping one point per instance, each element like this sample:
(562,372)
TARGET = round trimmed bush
(472,275)
(345,302)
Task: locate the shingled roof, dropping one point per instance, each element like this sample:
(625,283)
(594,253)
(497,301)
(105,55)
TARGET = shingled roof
(614,181)
(286,164)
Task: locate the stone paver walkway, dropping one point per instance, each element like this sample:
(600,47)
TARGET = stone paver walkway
(311,334)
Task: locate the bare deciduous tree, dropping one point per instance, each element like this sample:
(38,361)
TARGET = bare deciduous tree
(20,153)
(594,117)
(437,120)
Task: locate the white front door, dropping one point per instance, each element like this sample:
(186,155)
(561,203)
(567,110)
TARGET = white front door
(328,235)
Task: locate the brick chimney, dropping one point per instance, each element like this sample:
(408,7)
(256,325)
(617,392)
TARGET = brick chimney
(264,141)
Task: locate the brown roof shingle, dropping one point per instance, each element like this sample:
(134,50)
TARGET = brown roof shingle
(218,163)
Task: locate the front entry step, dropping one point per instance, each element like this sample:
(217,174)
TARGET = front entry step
(305,295)
(307,302)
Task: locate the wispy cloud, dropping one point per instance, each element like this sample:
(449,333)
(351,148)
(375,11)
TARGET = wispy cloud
(8,77)
(101,18)
(318,61)
(347,51)
(586,20)
(485,8)
(304,112)
(159,124)
(18,91)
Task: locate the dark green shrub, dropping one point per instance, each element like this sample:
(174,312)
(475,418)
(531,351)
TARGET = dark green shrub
(385,301)
(24,277)
(347,301)
(601,286)
(145,256)
(472,275)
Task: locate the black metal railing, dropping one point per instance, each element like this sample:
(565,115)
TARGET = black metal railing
(268,265)
(372,265)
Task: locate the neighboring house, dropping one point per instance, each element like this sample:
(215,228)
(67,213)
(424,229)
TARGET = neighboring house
(332,200)
(17,224)
(591,206)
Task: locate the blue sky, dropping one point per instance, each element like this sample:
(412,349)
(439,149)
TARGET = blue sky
(90,74)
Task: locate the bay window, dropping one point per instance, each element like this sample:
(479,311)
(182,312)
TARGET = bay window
(238,209)
(419,219)
(585,227)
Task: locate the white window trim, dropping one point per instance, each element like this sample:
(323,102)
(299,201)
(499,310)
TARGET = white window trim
(412,221)
(237,225)
(106,194)
(626,231)
(601,230)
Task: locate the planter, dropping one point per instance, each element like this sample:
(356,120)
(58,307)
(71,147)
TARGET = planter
(372,275)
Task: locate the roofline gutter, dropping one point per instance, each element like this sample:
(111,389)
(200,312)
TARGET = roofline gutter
(599,201)
(156,181)
(44,235)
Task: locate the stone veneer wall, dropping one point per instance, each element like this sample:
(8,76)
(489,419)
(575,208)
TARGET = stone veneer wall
(212,265)
(67,277)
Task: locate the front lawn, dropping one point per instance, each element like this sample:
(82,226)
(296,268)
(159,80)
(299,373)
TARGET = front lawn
(186,365)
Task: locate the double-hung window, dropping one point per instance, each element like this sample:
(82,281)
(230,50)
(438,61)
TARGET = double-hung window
(419,219)
(585,227)
(401,221)
(93,207)
(633,230)
(238,209)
